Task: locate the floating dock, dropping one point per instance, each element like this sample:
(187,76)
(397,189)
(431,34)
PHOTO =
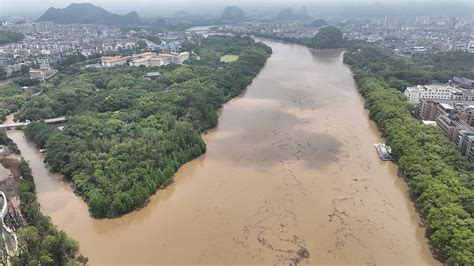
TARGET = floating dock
(384,152)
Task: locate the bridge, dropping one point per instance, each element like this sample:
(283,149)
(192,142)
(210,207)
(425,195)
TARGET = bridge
(55,120)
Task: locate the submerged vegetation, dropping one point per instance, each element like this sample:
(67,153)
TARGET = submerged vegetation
(440,179)
(126,136)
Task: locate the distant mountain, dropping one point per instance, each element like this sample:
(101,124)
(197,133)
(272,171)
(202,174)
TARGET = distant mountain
(302,14)
(289,14)
(286,14)
(232,14)
(85,13)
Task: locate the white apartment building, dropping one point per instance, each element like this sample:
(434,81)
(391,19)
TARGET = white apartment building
(439,92)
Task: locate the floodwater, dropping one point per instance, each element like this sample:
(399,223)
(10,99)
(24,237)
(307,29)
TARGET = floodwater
(290,167)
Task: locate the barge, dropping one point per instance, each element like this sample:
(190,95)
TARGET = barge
(384,152)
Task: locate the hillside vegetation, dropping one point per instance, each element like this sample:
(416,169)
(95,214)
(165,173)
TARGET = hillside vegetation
(8,37)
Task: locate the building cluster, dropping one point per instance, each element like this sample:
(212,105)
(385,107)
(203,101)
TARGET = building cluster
(451,108)
(413,35)
(42,73)
(405,35)
(147,59)
(46,43)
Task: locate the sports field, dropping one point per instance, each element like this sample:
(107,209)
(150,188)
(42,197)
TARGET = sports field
(228,58)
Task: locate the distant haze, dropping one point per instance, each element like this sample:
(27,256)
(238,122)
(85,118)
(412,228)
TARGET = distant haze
(154,8)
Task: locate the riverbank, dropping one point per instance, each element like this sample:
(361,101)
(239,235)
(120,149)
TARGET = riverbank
(438,176)
(290,167)
(26,229)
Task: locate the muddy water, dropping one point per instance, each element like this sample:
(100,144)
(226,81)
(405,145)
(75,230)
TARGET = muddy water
(291,166)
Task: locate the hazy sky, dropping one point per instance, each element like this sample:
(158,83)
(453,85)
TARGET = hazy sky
(154,7)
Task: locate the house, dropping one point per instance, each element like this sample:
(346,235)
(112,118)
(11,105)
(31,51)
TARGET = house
(152,75)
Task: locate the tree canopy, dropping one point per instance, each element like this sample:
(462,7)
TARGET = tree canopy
(126,136)
(400,71)
(328,37)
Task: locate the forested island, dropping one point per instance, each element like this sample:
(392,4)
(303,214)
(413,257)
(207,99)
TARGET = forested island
(40,242)
(126,136)
(441,181)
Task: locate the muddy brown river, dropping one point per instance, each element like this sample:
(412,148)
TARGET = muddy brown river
(290,167)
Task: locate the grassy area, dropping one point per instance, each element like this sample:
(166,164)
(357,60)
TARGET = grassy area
(228,58)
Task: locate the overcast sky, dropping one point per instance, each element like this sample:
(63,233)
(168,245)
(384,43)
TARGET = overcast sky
(153,7)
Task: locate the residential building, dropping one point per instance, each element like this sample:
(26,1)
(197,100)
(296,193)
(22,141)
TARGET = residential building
(149,59)
(179,58)
(152,75)
(463,82)
(449,126)
(108,61)
(414,94)
(466,143)
(455,118)
(465,113)
(43,73)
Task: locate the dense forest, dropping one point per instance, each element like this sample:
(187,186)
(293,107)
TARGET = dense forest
(9,36)
(40,243)
(400,72)
(440,179)
(126,136)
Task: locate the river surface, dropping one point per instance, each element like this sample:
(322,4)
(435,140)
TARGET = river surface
(291,166)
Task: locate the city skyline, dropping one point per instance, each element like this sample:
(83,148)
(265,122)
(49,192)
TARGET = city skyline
(149,8)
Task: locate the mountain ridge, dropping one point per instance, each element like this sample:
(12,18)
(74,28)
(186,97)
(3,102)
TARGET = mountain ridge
(289,14)
(232,14)
(86,13)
